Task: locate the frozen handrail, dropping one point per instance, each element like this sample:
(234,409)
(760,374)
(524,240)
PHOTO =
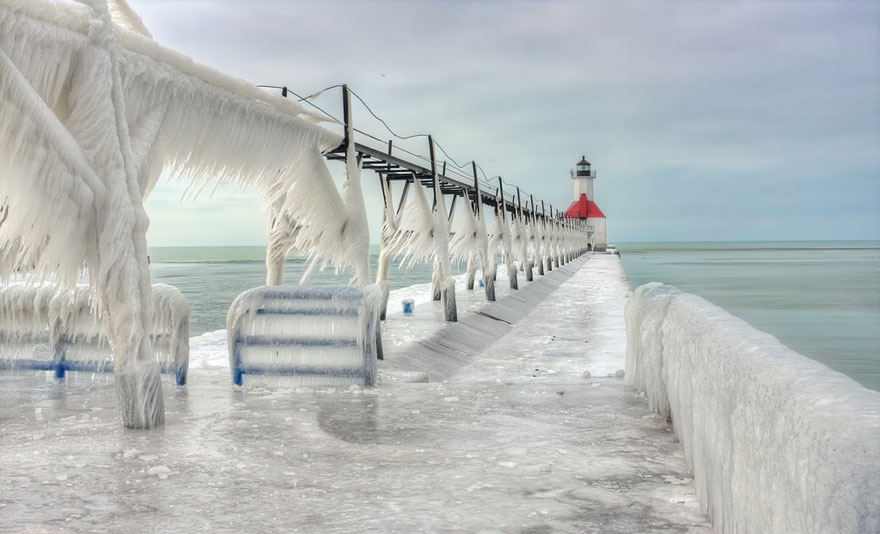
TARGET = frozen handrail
(312,335)
(777,442)
(42,329)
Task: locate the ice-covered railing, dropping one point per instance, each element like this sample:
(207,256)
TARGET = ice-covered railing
(304,335)
(777,442)
(43,329)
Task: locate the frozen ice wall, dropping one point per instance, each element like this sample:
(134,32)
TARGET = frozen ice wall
(777,442)
(42,324)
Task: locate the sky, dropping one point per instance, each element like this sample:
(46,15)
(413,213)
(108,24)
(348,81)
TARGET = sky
(722,121)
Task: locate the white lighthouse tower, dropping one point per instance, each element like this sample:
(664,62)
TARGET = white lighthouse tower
(584,206)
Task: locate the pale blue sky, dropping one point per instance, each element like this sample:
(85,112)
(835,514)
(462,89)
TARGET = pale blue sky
(704,121)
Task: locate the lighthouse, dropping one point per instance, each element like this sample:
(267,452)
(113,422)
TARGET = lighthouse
(584,206)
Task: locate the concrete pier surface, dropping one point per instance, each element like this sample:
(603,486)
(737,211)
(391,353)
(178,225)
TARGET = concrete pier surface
(508,435)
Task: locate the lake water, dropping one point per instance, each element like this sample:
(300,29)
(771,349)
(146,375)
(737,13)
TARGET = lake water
(211,277)
(822,299)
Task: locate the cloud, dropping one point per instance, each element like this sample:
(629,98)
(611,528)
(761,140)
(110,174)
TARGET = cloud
(758,108)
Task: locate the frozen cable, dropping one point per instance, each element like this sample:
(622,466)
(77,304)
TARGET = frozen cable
(285,90)
(385,124)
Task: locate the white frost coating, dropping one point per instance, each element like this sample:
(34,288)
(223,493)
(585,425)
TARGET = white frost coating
(282,234)
(91,114)
(330,227)
(126,17)
(171,320)
(553,242)
(499,240)
(519,241)
(470,243)
(777,442)
(482,249)
(495,241)
(79,101)
(308,335)
(464,242)
(540,244)
(390,225)
(530,245)
(414,239)
(441,277)
(36,322)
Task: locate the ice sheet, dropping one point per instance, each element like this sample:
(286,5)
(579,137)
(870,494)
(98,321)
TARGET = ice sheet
(554,453)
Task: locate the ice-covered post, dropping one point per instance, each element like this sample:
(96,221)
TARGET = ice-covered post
(389,228)
(281,240)
(525,237)
(442,276)
(505,239)
(562,228)
(548,235)
(555,250)
(537,236)
(563,238)
(123,276)
(483,238)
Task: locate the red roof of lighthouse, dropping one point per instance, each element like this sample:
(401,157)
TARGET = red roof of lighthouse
(584,209)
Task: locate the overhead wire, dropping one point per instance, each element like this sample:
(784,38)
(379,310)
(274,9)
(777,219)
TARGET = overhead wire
(285,90)
(485,181)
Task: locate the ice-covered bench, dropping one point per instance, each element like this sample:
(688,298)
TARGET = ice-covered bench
(44,330)
(307,335)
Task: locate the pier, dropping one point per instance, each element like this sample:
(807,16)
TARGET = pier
(513,439)
(555,401)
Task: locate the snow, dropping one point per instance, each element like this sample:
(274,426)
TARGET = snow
(548,453)
(778,442)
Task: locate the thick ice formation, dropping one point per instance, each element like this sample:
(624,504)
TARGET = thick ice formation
(540,244)
(307,335)
(331,227)
(390,225)
(530,248)
(519,243)
(41,326)
(499,241)
(482,250)
(470,242)
(92,112)
(413,241)
(777,442)
(441,277)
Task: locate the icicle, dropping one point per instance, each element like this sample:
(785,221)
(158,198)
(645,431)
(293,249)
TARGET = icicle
(463,245)
(414,239)
(390,224)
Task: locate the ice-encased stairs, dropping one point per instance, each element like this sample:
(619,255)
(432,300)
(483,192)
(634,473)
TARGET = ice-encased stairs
(304,335)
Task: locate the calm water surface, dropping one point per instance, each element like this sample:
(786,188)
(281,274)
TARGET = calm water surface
(822,299)
(211,277)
